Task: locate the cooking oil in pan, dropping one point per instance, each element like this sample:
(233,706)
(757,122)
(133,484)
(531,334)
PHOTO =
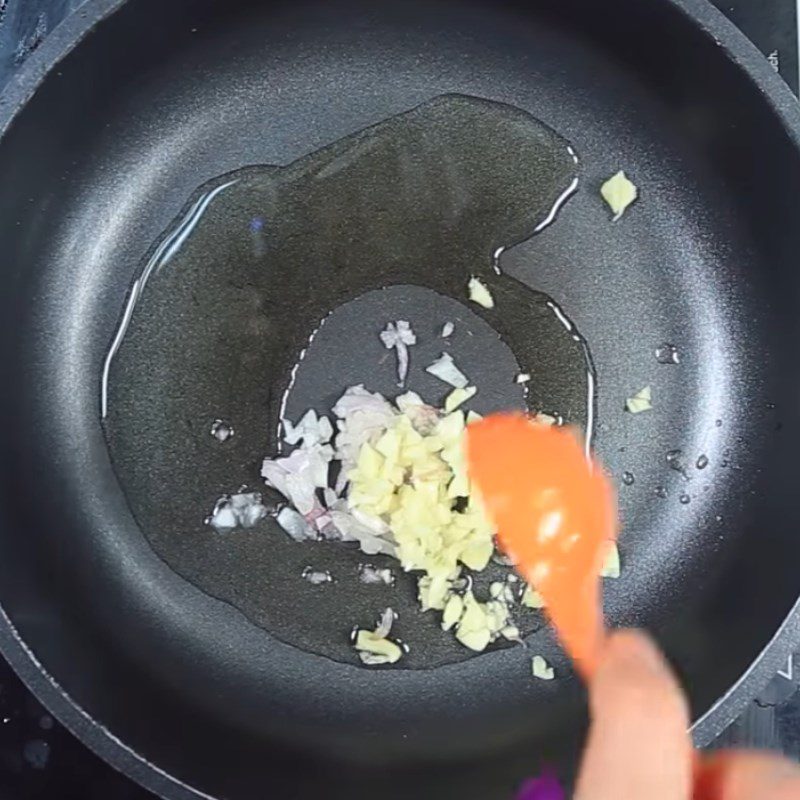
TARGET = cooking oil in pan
(267,296)
(668,354)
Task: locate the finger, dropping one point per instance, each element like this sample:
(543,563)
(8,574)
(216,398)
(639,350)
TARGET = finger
(741,775)
(638,746)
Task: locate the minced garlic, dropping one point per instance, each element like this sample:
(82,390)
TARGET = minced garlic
(611,565)
(619,193)
(641,401)
(541,669)
(479,293)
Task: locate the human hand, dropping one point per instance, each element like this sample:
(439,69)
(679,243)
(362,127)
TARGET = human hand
(639,747)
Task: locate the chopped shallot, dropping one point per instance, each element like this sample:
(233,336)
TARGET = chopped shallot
(295,525)
(385,625)
(398,470)
(312,430)
(445,369)
(398,335)
(237,511)
(362,416)
(358,399)
(299,475)
(352,530)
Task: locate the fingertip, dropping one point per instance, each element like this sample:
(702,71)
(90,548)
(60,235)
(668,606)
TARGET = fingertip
(639,745)
(632,676)
(632,648)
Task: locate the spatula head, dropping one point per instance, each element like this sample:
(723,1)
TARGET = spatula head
(555,513)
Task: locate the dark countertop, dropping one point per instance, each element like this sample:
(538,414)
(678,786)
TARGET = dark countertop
(40,760)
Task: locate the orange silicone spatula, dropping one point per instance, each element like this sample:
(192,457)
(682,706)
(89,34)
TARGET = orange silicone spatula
(555,513)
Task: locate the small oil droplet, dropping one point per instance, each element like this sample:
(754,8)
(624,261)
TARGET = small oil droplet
(317,577)
(628,478)
(375,576)
(221,430)
(675,461)
(685,499)
(718,423)
(702,462)
(667,354)
(661,492)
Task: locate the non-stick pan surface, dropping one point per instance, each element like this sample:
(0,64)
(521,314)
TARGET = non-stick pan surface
(182,689)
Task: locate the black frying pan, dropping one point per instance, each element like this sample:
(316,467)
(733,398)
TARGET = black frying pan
(183,658)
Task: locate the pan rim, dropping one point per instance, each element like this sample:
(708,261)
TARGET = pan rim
(91,732)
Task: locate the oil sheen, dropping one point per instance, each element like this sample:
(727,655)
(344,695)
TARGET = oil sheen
(266,297)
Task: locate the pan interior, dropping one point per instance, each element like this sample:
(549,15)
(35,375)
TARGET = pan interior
(703,261)
(266,298)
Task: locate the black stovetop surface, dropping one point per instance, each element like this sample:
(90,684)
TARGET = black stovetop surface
(40,760)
